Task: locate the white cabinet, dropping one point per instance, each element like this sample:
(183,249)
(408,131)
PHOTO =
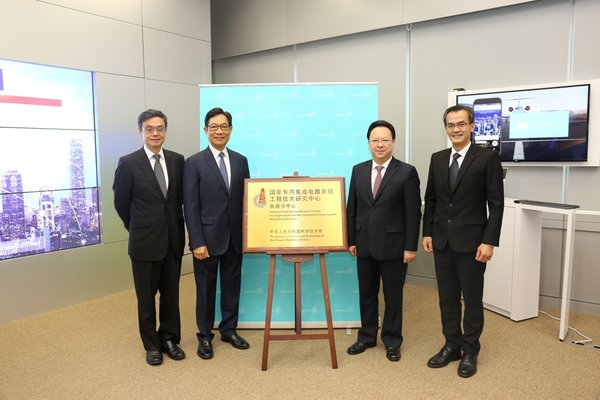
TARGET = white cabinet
(512,277)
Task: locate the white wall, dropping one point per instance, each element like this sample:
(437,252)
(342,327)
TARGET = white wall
(241,27)
(495,44)
(147,53)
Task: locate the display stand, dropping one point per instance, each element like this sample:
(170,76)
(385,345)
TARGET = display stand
(298,259)
(296,217)
(512,277)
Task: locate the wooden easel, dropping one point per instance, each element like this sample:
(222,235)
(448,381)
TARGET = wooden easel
(295,254)
(298,259)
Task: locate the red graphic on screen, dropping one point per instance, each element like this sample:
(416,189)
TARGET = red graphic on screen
(30,101)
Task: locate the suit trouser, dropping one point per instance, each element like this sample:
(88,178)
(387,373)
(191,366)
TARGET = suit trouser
(150,277)
(393,275)
(460,273)
(229,266)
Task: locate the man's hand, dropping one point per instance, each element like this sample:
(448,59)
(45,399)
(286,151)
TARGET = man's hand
(352,250)
(427,244)
(409,256)
(201,253)
(484,253)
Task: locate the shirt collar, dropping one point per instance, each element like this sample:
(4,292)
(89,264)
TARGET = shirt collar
(150,154)
(216,152)
(462,152)
(385,164)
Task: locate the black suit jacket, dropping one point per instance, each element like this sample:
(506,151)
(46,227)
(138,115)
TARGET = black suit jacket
(459,217)
(212,213)
(386,226)
(151,219)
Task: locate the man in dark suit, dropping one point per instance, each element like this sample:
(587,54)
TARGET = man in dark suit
(213,197)
(464,203)
(384,215)
(148,196)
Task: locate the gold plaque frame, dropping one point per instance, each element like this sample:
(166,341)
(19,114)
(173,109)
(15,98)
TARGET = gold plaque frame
(294,215)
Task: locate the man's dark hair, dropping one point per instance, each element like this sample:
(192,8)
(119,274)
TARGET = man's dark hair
(458,108)
(217,111)
(150,113)
(383,123)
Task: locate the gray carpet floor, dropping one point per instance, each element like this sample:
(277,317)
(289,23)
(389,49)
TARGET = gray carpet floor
(93,351)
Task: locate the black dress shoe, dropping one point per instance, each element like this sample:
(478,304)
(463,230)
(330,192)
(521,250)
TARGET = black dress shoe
(205,350)
(467,366)
(445,355)
(154,357)
(173,350)
(359,347)
(393,353)
(236,341)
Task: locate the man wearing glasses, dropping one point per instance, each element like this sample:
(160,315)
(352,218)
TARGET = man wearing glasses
(384,216)
(464,203)
(148,196)
(213,201)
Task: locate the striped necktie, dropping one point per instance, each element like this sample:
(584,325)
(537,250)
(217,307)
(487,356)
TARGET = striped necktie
(160,174)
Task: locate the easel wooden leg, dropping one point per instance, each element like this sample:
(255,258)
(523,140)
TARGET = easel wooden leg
(298,297)
(298,335)
(328,311)
(267,334)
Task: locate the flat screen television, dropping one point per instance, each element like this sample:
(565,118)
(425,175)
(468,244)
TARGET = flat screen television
(546,124)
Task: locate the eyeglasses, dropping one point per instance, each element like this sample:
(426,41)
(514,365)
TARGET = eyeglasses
(215,127)
(460,125)
(384,142)
(152,129)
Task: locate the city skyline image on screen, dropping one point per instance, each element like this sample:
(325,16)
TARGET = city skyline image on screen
(48,177)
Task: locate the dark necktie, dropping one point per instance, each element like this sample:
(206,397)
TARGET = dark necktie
(378,178)
(160,174)
(453,172)
(223,169)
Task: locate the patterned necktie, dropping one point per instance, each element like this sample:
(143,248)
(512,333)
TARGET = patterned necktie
(378,178)
(453,172)
(223,169)
(160,174)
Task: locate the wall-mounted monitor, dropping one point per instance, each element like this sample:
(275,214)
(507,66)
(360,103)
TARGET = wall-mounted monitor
(48,178)
(541,125)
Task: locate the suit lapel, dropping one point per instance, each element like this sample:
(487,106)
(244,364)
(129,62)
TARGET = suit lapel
(444,166)
(365,179)
(235,170)
(214,168)
(366,173)
(170,171)
(146,168)
(469,157)
(391,170)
